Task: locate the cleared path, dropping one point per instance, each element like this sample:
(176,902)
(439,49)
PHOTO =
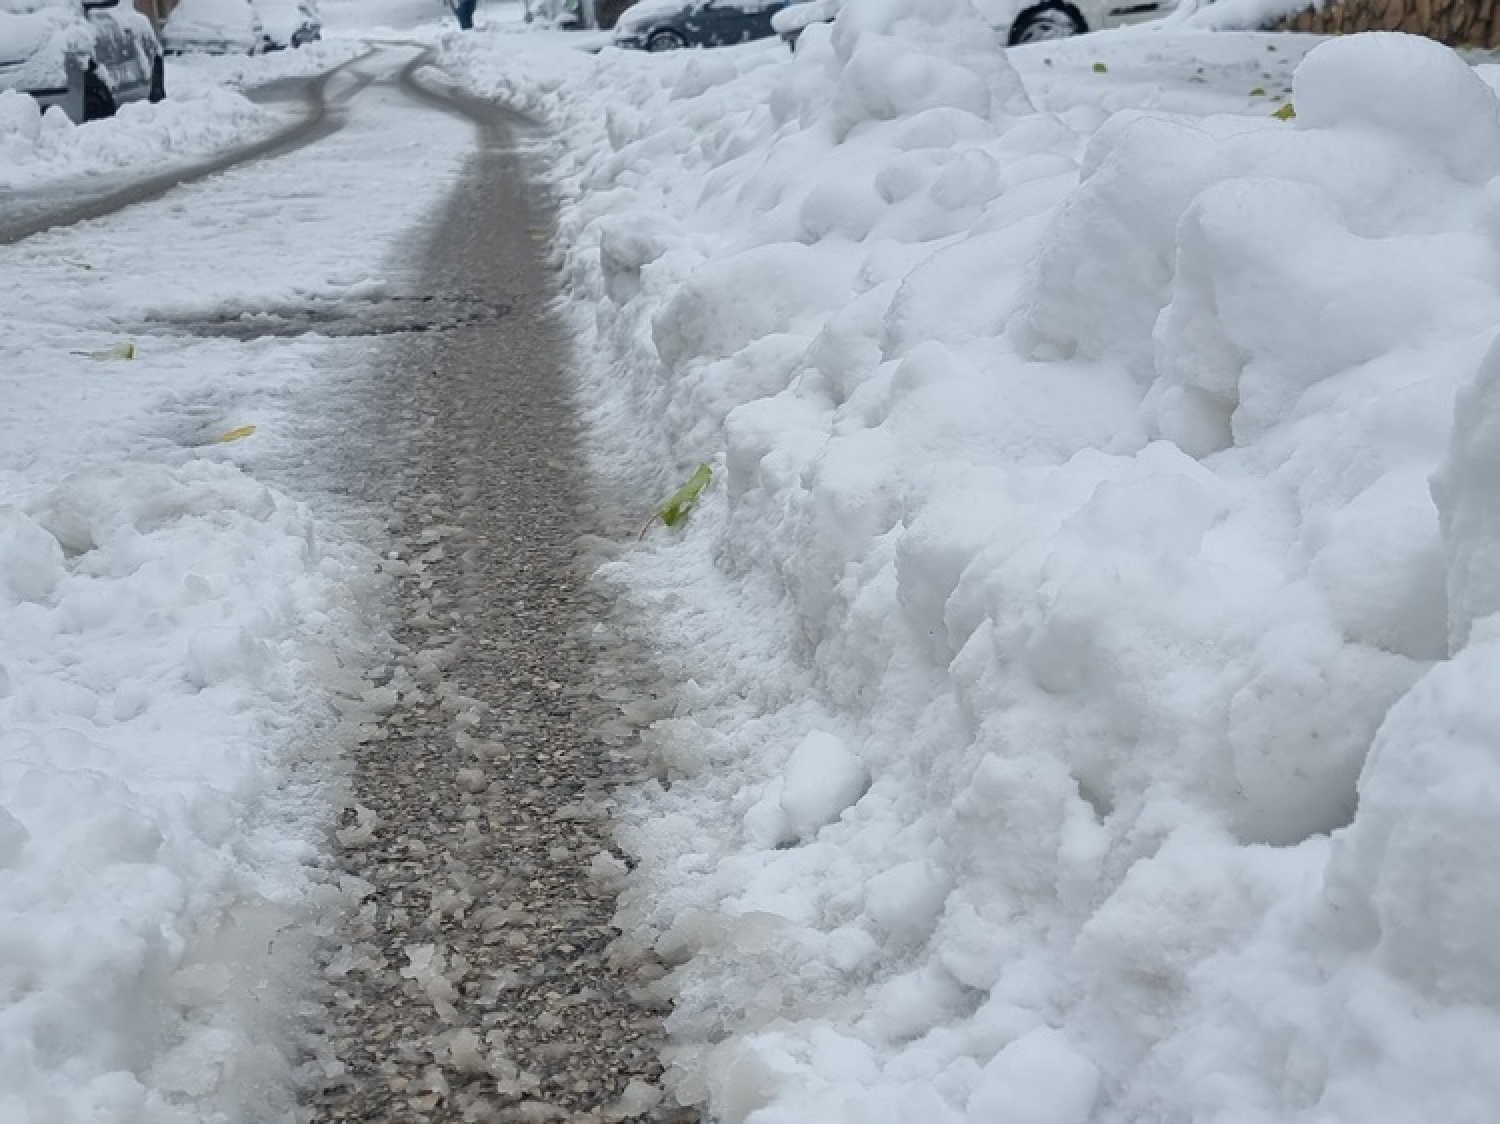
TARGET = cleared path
(479,978)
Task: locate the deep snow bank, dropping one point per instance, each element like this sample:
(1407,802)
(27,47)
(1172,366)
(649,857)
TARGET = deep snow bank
(1091,713)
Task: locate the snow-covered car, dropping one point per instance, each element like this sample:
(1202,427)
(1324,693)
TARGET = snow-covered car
(669,25)
(288,23)
(214,27)
(1050,19)
(85,58)
(1060,19)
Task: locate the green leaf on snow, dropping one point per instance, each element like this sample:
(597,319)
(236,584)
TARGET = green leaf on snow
(680,506)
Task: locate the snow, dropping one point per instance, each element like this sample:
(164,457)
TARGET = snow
(1088,638)
(204,114)
(183,641)
(38,150)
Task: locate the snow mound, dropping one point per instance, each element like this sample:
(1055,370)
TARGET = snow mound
(37,148)
(136,681)
(1086,718)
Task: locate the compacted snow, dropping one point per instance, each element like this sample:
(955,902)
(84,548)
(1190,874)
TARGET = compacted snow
(1089,634)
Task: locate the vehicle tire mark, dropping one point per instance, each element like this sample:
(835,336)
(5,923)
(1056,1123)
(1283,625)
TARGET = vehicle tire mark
(315,125)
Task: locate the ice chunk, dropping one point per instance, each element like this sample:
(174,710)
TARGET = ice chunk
(639,1098)
(823,777)
(1037,1079)
(466,1052)
(426,968)
(31,561)
(906,899)
(362,832)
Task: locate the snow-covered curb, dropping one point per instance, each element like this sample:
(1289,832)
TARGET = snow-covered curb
(1072,572)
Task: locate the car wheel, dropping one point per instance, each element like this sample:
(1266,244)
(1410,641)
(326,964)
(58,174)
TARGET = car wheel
(665,40)
(1054,19)
(98,99)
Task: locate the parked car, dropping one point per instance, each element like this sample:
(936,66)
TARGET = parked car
(1061,19)
(669,25)
(288,23)
(213,27)
(1051,19)
(85,58)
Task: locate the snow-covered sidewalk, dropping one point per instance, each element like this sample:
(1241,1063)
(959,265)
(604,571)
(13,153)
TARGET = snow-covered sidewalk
(177,636)
(1089,635)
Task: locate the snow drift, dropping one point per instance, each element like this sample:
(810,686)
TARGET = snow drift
(1091,642)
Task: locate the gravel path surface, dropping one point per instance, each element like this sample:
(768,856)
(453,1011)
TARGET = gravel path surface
(478,977)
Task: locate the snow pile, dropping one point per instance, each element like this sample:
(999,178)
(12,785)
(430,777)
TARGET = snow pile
(36,148)
(150,614)
(156,620)
(1091,710)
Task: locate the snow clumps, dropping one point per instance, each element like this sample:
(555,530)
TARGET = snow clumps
(1093,638)
(156,621)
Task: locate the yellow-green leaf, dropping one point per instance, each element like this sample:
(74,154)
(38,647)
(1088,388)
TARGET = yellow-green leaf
(125,350)
(1100,68)
(682,502)
(234,434)
(1286,112)
(1258,92)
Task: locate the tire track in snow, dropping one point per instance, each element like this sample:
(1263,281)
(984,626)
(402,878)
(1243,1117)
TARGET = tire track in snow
(316,123)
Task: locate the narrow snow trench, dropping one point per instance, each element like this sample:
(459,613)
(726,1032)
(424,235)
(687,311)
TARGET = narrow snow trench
(477,975)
